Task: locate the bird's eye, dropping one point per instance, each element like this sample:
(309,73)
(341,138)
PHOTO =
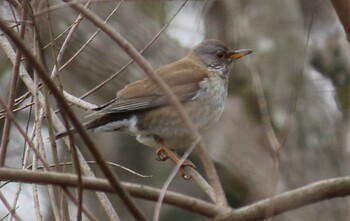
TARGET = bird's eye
(220,54)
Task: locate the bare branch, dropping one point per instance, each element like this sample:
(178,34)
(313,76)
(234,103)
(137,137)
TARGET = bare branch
(13,89)
(8,206)
(97,184)
(309,194)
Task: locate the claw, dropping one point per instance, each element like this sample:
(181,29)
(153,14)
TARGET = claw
(188,163)
(161,154)
(184,175)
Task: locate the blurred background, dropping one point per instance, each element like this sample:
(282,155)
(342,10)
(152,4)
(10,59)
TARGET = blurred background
(300,57)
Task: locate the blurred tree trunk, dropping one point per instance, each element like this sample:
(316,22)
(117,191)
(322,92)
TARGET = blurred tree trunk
(288,39)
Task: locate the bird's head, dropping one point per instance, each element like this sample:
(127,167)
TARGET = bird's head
(215,55)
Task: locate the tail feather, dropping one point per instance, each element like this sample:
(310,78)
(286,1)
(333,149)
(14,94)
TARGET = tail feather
(98,122)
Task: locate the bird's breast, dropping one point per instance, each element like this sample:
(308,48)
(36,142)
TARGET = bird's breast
(211,99)
(204,109)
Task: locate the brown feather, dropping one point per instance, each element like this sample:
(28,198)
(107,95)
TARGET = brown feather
(182,72)
(183,78)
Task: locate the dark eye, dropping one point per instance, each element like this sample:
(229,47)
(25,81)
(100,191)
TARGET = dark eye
(220,54)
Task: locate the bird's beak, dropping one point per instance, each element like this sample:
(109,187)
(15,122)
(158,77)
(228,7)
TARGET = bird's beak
(235,55)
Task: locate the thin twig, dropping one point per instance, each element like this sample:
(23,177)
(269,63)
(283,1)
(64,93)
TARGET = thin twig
(204,185)
(39,146)
(171,176)
(8,207)
(63,202)
(91,38)
(275,144)
(269,131)
(3,218)
(39,215)
(64,5)
(2,112)
(13,89)
(87,212)
(78,102)
(64,46)
(24,162)
(23,134)
(54,152)
(109,163)
(77,170)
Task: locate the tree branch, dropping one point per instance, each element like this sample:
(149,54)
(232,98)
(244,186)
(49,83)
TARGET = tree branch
(303,196)
(98,184)
(294,199)
(13,90)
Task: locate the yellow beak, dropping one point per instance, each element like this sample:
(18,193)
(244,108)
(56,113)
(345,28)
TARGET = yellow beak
(235,55)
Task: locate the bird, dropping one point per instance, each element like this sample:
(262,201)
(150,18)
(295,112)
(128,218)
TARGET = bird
(199,80)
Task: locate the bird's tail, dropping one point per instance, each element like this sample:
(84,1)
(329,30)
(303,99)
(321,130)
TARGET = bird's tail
(97,124)
(88,126)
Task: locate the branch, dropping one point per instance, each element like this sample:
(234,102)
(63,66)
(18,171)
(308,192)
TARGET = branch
(294,199)
(303,196)
(98,184)
(13,90)
(8,207)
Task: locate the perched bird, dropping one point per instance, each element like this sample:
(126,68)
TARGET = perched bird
(199,80)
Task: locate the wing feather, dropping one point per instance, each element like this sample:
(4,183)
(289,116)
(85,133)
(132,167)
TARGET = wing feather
(144,94)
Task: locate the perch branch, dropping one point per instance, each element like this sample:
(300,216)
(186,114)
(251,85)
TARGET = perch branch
(287,201)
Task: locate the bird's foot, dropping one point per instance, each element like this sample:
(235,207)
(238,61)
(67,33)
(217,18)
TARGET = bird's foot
(161,154)
(164,153)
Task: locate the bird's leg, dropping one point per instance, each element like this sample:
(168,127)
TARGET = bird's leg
(163,153)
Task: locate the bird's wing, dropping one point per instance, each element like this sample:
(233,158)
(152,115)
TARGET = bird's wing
(183,78)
